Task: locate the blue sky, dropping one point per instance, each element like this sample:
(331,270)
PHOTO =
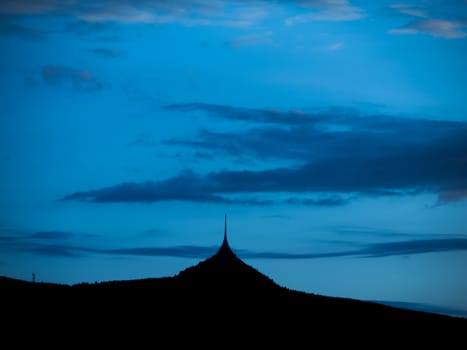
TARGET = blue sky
(333,133)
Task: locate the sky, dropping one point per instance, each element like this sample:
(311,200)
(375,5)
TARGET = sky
(332,133)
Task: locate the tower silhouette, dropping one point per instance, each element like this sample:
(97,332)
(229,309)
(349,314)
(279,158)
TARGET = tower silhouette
(225,248)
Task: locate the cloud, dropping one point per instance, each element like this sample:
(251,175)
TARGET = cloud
(190,13)
(54,243)
(184,187)
(443,19)
(191,187)
(327,10)
(447,29)
(409,10)
(54,235)
(319,202)
(335,46)
(251,40)
(177,251)
(452,195)
(80,79)
(107,53)
(29,6)
(9,28)
(332,156)
(83,28)
(233,13)
(373,250)
(268,116)
(414,247)
(50,243)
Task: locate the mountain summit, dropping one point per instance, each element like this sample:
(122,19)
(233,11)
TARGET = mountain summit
(225,271)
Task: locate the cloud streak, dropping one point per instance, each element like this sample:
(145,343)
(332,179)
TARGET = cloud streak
(80,79)
(47,243)
(50,245)
(250,115)
(233,13)
(374,250)
(9,28)
(435,27)
(190,13)
(327,10)
(107,53)
(441,20)
(251,40)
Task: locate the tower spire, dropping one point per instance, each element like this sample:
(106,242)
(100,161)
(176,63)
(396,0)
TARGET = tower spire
(225,227)
(225,244)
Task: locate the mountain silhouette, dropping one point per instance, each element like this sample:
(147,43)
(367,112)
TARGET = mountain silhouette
(225,273)
(219,302)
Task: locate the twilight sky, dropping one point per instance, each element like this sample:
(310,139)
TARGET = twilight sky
(333,133)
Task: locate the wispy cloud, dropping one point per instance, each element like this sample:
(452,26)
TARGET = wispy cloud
(409,10)
(191,13)
(447,29)
(80,79)
(84,28)
(251,40)
(49,243)
(184,187)
(374,250)
(327,10)
(107,53)
(446,19)
(269,116)
(335,46)
(233,13)
(9,28)
(56,245)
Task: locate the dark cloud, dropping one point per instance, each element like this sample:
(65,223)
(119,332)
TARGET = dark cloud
(251,40)
(190,187)
(85,28)
(54,235)
(376,250)
(338,150)
(319,202)
(107,53)
(293,117)
(184,187)
(414,247)
(193,12)
(336,154)
(43,242)
(9,28)
(372,250)
(177,251)
(52,250)
(80,79)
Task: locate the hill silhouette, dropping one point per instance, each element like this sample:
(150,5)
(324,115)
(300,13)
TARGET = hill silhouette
(221,302)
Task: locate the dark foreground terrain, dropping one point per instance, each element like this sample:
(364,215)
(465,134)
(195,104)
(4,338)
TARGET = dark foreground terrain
(221,302)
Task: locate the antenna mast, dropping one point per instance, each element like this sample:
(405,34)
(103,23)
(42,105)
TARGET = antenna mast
(225,227)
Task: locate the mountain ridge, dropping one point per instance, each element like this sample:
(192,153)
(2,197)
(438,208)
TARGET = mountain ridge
(221,293)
